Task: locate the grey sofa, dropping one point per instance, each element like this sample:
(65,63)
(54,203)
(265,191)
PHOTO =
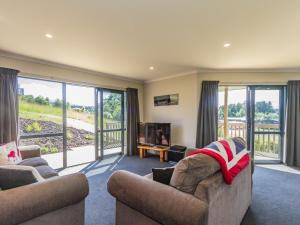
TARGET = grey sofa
(31,156)
(52,200)
(142,201)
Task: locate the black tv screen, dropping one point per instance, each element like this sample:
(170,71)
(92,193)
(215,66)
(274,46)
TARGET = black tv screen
(158,134)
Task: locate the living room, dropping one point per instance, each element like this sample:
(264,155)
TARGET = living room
(113,112)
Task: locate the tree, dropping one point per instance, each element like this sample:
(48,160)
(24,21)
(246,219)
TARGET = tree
(112,107)
(28,98)
(57,103)
(47,101)
(221,112)
(41,100)
(234,110)
(264,107)
(241,112)
(263,111)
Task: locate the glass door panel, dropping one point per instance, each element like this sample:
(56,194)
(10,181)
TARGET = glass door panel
(113,122)
(267,123)
(80,135)
(41,117)
(110,122)
(267,113)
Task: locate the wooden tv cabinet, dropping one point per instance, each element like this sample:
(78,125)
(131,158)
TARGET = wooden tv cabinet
(162,151)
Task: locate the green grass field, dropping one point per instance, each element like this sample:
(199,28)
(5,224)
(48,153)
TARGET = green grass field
(50,113)
(39,109)
(54,114)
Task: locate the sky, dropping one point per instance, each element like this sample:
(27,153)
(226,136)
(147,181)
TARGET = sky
(235,96)
(75,94)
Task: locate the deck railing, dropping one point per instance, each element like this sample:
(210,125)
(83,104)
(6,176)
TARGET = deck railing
(265,144)
(112,138)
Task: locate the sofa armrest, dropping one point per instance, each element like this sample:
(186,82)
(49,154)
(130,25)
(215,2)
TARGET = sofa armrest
(24,203)
(30,151)
(160,202)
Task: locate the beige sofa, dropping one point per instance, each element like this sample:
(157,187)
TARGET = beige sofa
(51,201)
(142,201)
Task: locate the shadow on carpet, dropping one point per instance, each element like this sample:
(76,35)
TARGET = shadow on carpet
(100,205)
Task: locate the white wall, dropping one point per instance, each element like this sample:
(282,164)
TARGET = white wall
(184,116)
(51,71)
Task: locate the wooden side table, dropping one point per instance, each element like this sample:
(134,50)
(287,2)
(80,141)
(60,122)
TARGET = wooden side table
(162,151)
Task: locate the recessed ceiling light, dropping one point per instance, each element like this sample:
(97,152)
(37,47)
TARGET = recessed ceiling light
(151,68)
(227,45)
(49,36)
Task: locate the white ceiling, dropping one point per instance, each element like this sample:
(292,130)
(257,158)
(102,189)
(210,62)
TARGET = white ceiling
(175,36)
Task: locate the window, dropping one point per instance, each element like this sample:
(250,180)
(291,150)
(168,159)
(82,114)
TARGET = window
(41,117)
(232,112)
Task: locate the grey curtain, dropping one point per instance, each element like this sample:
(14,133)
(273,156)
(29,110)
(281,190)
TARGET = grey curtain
(133,118)
(207,125)
(293,124)
(8,105)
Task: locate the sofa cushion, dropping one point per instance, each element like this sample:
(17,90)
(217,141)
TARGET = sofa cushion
(46,171)
(36,161)
(191,170)
(30,151)
(29,148)
(12,176)
(163,175)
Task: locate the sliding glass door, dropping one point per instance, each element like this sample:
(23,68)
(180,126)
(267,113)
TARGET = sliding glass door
(110,122)
(266,122)
(72,124)
(255,113)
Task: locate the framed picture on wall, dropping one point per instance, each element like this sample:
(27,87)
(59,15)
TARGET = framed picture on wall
(165,100)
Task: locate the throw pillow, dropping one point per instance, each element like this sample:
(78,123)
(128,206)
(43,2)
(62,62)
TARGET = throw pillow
(163,175)
(9,154)
(12,176)
(191,170)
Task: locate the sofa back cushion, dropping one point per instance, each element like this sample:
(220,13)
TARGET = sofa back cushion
(162,175)
(191,170)
(12,176)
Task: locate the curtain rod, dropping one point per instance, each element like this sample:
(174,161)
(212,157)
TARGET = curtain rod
(67,81)
(251,83)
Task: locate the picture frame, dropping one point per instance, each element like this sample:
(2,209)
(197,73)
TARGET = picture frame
(166,100)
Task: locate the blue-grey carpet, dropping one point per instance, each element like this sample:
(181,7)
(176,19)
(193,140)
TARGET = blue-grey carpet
(276,194)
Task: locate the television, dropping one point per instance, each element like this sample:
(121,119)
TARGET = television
(154,134)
